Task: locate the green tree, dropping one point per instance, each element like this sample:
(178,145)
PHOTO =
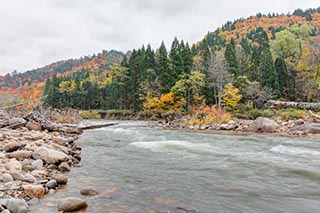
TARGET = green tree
(231,58)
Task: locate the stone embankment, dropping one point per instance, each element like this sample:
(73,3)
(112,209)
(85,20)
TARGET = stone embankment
(35,155)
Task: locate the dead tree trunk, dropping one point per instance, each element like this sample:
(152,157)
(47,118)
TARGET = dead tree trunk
(292,104)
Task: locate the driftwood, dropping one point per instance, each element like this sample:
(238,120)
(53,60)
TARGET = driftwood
(296,105)
(97,126)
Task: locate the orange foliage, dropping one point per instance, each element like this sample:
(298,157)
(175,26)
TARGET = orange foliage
(209,115)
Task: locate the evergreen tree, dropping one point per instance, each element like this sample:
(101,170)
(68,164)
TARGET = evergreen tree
(231,58)
(176,62)
(163,71)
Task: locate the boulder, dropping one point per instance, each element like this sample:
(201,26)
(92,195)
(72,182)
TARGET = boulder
(88,192)
(60,178)
(11,147)
(17,122)
(22,154)
(6,178)
(70,204)
(32,125)
(64,167)
(263,124)
(49,156)
(13,165)
(16,205)
(312,128)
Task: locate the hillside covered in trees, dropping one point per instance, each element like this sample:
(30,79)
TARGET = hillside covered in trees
(22,87)
(242,64)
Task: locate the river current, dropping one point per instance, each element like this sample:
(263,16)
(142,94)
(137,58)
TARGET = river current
(140,169)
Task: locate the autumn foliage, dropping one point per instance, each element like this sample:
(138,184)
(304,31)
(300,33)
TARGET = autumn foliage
(209,115)
(155,106)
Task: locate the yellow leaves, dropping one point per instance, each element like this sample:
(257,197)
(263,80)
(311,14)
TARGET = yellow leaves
(231,96)
(67,86)
(166,102)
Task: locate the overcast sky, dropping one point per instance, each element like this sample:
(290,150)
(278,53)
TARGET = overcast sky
(38,32)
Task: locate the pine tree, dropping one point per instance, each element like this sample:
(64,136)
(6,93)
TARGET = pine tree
(163,70)
(231,58)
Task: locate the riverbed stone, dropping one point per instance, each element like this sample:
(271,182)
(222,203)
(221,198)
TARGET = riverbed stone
(17,122)
(59,140)
(49,156)
(51,184)
(39,173)
(29,178)
(70,204)
(37,163)
(32,125)
(64,167)
(17,175)
(16,205)
(88,192)
(22,154)
(6,178)
(11,147)
(34,191)
(60,178)
(263,124)
(13,165)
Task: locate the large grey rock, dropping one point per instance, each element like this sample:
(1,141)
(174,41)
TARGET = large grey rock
(17,122)
(312,128)
(51,184)
(70,204)
(263,124)
(49,156)
(16,205)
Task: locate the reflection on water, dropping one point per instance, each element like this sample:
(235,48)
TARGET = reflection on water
(138,169)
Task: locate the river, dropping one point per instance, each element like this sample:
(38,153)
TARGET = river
(140,169)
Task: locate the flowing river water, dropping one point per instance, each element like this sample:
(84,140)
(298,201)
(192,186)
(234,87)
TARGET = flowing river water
(140,169)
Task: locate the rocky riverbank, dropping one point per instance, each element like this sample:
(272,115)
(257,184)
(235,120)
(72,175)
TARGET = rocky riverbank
(297,127)
(34,161)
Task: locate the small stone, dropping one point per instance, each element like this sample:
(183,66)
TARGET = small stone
(37,136)
(17,175)
(64,167)
(16,205)
(88,192)
(10,147)
(39,173)
(29,178)
(34,191)
(52,166)
(37,163)
(13,165)
(51,184)
(22,154)
(59,140)
(60,178)
(70,204)
(6,178)
(28,167)
(32,125)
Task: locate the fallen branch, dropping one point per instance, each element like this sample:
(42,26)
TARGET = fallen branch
(314,115)
(292,104)
(97,126)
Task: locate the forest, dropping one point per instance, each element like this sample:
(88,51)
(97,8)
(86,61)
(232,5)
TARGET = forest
(239,66)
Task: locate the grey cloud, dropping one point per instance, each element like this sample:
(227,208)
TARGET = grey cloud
(38,32)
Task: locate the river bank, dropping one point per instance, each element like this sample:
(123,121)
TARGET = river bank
(35,156)
(297,127)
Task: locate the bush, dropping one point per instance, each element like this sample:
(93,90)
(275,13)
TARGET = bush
(290,114)
(90,114)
